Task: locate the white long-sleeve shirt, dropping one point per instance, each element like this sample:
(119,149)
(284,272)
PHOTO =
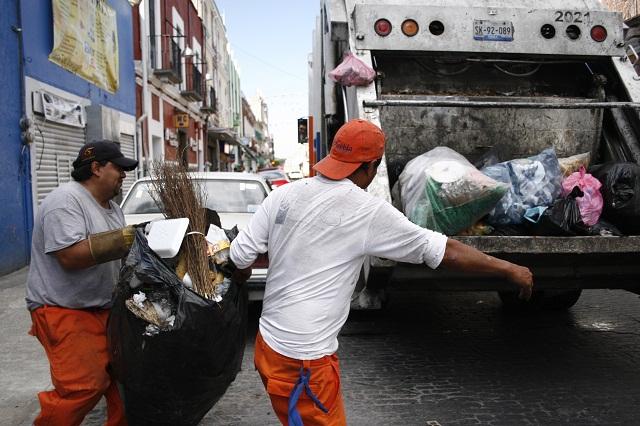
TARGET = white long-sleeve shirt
(317,232)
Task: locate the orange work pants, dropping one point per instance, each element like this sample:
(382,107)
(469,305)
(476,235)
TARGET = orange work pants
(75,342)
(279,375)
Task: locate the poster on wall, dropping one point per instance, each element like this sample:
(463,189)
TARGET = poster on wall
(62,110)
(85,41)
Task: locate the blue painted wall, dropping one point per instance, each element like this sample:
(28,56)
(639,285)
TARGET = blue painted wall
(15,189)
(37,21)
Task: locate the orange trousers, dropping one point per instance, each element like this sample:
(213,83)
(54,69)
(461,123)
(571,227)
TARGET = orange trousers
(279,375)
(75,342)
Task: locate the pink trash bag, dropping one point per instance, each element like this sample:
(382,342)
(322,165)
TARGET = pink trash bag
(590,204)
(352,72)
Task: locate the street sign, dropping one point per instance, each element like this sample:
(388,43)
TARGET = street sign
(181,120)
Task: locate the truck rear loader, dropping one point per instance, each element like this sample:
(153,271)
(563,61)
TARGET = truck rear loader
(507,76)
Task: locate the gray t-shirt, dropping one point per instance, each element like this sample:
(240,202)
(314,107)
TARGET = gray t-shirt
(67,215)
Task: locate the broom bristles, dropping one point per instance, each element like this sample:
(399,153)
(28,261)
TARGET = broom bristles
(178,195)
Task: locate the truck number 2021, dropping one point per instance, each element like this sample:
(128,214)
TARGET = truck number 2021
(572,17)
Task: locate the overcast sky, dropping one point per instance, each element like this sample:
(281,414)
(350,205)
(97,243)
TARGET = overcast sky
(271,40)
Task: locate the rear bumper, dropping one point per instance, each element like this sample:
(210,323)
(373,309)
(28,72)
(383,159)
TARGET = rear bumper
(556,263)
(256,284)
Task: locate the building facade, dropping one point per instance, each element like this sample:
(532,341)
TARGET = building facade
(171,72)
(16,214)
(249,160)
(264,141)
(67,81)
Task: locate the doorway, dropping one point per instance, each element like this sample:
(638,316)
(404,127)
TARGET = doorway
(183,149)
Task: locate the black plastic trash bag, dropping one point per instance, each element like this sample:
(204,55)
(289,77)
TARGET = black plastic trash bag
(602,228)
(177,375)
(621,192)
(562,218)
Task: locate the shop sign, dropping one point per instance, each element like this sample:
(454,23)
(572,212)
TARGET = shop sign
(181,121)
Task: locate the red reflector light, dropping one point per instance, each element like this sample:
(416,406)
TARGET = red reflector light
(598,33)
(382,27)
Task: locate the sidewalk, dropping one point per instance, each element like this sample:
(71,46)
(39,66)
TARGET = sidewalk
(24,366)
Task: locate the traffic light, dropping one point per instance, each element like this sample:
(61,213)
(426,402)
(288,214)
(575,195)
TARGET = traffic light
(303,132)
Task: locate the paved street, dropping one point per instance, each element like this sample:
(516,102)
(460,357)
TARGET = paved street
(432,358)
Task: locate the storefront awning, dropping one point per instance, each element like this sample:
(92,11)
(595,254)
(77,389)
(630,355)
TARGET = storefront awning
(224,134)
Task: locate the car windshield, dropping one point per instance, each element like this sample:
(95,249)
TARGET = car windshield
(272,174)
(223,196)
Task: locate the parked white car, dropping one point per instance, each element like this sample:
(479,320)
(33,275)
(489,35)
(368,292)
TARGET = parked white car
(234,196)
(295,175)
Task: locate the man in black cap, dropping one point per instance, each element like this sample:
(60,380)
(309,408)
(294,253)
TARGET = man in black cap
(79,237)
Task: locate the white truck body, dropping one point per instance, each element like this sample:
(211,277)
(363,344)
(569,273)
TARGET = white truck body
(482,75)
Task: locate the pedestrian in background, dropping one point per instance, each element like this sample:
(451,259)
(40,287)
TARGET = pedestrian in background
(318,232)
(79,235)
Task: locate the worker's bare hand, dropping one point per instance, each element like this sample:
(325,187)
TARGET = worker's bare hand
(523,278)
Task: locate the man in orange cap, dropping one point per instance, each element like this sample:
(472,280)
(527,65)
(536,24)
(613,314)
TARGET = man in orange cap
(318,232)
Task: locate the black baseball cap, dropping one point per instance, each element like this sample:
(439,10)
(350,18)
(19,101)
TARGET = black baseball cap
(103,150)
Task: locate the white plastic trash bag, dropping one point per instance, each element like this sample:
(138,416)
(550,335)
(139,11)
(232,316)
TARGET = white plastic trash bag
(533,182)
(440,190)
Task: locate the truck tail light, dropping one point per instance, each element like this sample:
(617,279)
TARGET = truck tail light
(598,33)
(548,31)
(436,28)
(410,28)
(573,32)
(382,27)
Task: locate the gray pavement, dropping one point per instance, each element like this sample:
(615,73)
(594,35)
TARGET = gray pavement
(24,370)
(430,359)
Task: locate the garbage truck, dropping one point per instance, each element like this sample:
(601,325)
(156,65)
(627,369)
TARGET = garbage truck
(507,76)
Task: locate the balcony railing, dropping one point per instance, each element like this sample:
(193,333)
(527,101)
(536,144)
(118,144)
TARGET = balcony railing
(209,105)
(193,90)
(170,69)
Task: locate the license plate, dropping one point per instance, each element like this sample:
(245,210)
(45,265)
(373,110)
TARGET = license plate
(492,30)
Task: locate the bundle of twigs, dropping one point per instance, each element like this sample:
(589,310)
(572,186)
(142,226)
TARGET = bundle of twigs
(178,195)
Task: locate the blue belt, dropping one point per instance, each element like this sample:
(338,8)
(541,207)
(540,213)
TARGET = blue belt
(301,384)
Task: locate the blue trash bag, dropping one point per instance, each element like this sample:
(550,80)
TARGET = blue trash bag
(533,182)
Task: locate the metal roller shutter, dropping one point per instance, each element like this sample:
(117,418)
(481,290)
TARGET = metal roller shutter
(56,146)
(127,146)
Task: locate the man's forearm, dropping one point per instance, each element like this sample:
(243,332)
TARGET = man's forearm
(77,256)
(468,259)
(465,258)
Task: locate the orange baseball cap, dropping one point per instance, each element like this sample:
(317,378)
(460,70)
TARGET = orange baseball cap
(356,142)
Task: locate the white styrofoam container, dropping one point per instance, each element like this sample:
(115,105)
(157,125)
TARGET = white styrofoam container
(165,236)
